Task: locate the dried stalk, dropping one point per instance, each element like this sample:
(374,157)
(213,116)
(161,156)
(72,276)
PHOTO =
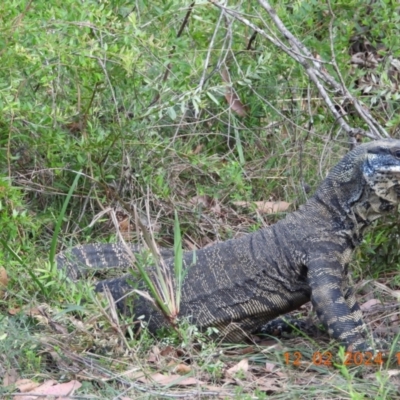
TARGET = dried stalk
(314,69)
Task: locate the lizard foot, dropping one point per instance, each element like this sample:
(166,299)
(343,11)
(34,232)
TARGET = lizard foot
(283,327)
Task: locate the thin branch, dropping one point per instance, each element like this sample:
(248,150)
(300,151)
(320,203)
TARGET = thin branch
(376,129)
(313,68)
(210,47)
(359,108)
(168,69)
(251,40)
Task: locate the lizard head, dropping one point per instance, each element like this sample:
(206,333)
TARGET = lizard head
(365,183)
(381,170)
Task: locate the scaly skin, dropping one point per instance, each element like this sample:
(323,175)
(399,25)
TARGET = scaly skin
(239,285)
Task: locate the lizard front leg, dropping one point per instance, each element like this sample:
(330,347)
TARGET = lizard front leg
(341,316)
(355,309)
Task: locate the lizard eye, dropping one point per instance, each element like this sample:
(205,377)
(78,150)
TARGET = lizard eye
(397,154)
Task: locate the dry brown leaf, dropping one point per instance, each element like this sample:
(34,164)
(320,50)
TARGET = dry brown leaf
(188,381)
(234,102)
(124,225)
(228,381)
(384,288)
(31,312)
(182,369)
(203,200)
(393,372)
(52,388)
(154,355)
(231,96)
(168,351)
(218,389)
(396,294)
(26,385)
(206,201)
(266,207)
(270,367)
(170,379)
(3,281)
(216,208)
(134,374)
(198,149)
(242,365)
(58,327)
(10,377)
(41,389)
(268,384)
(242,351)
(395,318)
(189,245)
(368,304)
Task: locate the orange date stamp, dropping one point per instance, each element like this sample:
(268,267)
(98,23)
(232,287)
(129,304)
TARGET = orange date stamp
(325,358)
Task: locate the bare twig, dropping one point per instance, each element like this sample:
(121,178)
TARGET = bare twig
(210,48)
(168,69)
(361,110)
(314,69)
(251,40)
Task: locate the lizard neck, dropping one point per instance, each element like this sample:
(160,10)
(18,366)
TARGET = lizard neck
(352,206)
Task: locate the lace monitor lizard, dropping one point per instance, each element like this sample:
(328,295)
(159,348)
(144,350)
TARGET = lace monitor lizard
(239,285)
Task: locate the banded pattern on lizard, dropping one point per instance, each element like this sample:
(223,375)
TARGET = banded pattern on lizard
(239,285)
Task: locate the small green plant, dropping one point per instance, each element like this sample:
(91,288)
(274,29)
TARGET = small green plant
(16,226)
(216,369)
(53,246)
(165,286)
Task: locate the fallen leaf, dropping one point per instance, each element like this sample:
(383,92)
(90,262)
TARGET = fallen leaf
(41,389)
(188,381)
(234,102)
(268,384)
(231,96)
(170,380)
(242,365)
(198,149)
(189,245)
(31,312)
(203,200)
(394,318)
(217,389)
(267,343)
(368,304)
(154,355)
(10,377)
(124,225)
(267,207)
(58,327)
(3,281)
(167,351)
(206,201)
(269,366)
(52,388)
(26,385)
(246,350)
(133,374)
(182,369)
(384,288)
